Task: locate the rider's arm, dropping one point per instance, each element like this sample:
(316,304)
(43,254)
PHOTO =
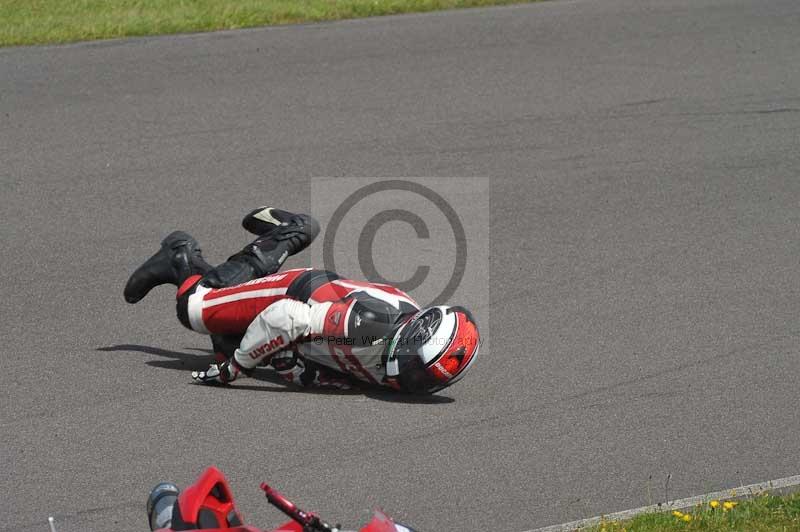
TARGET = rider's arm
(269,337)
(276,327)
(283,322)
(273,330)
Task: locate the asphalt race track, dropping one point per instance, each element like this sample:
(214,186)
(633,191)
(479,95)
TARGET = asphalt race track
(644,270)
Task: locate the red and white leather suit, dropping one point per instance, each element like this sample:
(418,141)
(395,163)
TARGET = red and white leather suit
(337,323)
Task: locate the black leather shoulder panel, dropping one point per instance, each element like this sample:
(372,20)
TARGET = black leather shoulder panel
(307,282)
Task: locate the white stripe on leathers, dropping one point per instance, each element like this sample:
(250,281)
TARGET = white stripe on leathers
(249,294)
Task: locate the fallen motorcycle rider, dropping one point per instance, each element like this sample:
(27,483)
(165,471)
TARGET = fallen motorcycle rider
(311,326)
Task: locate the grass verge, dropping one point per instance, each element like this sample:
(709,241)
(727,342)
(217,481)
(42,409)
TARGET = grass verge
(57,21)
(759,514)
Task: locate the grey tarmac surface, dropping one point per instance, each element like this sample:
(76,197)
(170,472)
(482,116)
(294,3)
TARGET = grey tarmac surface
(643,318)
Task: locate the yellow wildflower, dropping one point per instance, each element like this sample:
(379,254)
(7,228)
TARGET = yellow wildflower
(687,518)
(677,514)
(714,504)
(729,505)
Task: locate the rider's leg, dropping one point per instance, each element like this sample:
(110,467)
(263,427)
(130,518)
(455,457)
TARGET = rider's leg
(224,301)
(229,311)
(179,262)
(281,235)
(178,259)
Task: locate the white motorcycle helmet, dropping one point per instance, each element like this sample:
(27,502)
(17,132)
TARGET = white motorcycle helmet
(433,349)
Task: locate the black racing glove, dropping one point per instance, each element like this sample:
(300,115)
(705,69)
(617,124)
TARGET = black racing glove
(297,370)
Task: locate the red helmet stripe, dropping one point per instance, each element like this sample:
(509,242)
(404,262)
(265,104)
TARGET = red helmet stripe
(465,340)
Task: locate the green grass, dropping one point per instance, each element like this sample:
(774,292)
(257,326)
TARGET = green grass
(57,21)
(759,514)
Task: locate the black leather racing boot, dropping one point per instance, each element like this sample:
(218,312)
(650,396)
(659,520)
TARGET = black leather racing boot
(178,259)
(264,220)
(281,235)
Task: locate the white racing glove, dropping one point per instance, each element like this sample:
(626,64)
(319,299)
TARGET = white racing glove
(222,373)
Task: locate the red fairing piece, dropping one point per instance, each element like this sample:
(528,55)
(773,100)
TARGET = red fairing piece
(208,505)
(383,523)
(210,499)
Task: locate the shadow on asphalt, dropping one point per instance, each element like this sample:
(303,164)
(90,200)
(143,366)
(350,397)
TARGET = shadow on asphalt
(177,360)
(196,362)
